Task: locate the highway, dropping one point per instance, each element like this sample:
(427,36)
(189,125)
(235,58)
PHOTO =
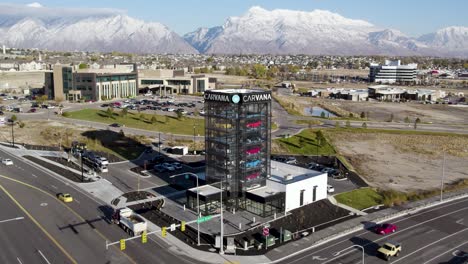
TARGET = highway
(435,235)
(77,231)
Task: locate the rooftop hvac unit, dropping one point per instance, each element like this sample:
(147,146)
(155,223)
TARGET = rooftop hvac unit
(288,177)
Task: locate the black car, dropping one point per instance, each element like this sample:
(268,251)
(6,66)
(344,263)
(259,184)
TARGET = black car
(158,158)
(115,125)
(105,105)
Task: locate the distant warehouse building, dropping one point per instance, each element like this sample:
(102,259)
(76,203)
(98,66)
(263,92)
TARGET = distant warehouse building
(89,85)
(393,72)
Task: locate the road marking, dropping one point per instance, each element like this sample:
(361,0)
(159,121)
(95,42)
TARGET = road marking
(13,219)
(305,256)
(66,206)
(42,255)
(76,200)
(318,258)
(38,225)
(459,221)
(19,260)
(437,241)
(447,252)
(34,175)
(53,186)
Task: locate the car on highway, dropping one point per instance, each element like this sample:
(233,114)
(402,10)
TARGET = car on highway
(7,162)
(385,228)
(115,125)
(65,197)
(388,250)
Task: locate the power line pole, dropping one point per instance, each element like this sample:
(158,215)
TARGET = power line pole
(442,180)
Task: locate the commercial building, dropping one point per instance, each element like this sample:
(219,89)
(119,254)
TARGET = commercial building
(89,85)
(238,146)
(393,72)
(397,94)
(167,82)
(350,94)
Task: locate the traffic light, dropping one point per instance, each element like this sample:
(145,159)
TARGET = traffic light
(122,244)
(182,226)
(144,237)
(163,231)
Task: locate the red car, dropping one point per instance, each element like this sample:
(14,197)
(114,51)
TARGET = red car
(385,229)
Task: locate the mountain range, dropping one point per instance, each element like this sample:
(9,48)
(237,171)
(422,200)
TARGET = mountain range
(258,31)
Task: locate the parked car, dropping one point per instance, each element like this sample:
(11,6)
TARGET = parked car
(7,162)
(32,110)
(291,160)
(330,189)
(177,165)
(115,125)
(168,166)
(65,197)
(158,158)
(102,160)
(385,228)
(159,168)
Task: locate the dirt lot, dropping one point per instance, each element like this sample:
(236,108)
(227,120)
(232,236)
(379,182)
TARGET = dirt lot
(381,111)
(403,161)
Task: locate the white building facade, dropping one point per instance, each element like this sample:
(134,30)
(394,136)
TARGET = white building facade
(392,72)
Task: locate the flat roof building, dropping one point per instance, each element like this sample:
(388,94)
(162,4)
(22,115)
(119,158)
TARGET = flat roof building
(392,72)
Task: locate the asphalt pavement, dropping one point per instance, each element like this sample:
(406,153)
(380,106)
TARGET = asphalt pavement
(435,235)
(81,227)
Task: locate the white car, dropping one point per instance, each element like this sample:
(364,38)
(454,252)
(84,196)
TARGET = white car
(7,161)
(102,160)
(170,109)
(330,189)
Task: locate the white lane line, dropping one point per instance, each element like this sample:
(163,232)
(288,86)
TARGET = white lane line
(435,242)
(363,233)
(19,260)
(459,221)
(76,200)
(34,175)
(53,186)
(42,255)
(12,219)
(466,242)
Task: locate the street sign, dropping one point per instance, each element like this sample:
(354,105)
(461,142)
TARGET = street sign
(204,219)
(144,237)
(266,231)
(172,227)
(122,244)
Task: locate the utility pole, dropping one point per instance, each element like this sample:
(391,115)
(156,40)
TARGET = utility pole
(159,143)
(12,133)
(82,174)
(442,180)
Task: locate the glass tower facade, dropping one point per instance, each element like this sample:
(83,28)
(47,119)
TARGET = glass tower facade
(237,141)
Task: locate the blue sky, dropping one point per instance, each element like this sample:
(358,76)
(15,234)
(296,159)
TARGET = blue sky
(412,17)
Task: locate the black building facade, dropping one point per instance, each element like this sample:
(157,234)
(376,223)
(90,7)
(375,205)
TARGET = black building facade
(237,141)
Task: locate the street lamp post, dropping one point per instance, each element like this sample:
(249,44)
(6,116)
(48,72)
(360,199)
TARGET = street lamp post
(82,174)
(12,133)
(194,146)
(198,202)
(362,248)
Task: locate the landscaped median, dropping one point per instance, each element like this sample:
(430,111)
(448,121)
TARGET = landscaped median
(162,123)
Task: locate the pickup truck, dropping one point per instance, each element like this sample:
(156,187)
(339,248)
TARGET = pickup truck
(389,250)
(131,222)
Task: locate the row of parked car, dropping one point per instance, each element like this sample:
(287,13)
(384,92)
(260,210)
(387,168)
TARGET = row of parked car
(168,166)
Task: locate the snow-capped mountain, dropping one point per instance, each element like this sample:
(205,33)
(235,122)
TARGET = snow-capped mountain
(73,29)
(317,32)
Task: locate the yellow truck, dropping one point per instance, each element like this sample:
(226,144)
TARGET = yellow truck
(388,250)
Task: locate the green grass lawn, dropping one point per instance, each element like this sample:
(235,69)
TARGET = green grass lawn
(360,199)
(166,124)
(305,143)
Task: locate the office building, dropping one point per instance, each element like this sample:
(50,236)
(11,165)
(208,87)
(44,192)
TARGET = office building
(168,82)
(392,72)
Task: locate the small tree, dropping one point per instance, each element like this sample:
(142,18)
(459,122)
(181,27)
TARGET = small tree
(41,99)
(418,120)
(110,112)
(179,115)
(348,124)
(153,120)
(364,125)
(14,118)
(124,112)
(363,115)
(407,120)
(322,115)
(351,115)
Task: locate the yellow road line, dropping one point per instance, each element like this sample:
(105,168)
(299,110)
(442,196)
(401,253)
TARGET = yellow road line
(39,225)
(71,210)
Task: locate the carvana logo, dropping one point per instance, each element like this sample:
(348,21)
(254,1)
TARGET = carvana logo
(235,98)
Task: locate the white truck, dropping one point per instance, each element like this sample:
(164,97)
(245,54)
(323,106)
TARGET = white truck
(131,222)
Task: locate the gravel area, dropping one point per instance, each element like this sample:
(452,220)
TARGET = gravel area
(135,196)
(62,171)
